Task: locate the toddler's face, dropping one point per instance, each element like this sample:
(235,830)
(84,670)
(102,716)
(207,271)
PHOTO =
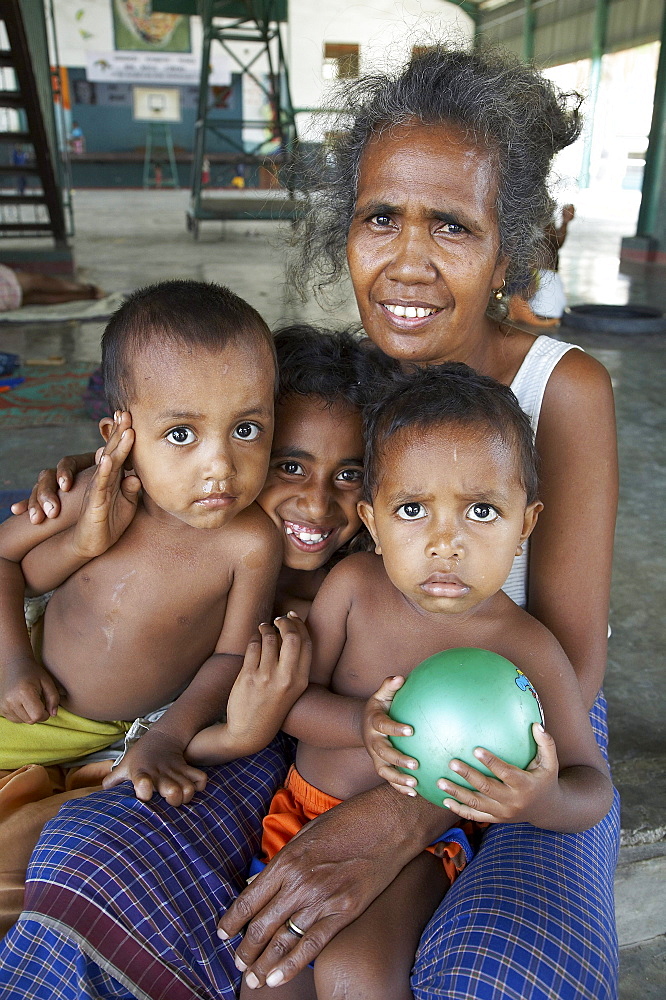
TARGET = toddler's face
(449,516)
(203,422)
(314,478)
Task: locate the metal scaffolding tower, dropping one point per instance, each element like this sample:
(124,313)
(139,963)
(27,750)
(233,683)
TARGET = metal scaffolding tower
(250,33)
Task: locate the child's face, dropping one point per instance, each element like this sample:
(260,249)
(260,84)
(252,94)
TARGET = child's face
(314,479)
(203,422)
(449,516)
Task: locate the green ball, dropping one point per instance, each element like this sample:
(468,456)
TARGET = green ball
(456,701)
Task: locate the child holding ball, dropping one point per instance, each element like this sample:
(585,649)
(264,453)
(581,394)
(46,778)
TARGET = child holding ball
(450,498)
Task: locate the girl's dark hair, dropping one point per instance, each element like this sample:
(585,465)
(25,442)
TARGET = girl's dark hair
(452,393)
(508,107)
(330,364)
(189,313)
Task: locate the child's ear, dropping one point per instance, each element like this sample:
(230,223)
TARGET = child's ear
(531,515)
(106,426)
(367,515)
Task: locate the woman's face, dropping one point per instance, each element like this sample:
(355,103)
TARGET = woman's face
(424,242)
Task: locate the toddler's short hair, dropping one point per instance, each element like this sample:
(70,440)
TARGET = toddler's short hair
(452,393)
(188,313)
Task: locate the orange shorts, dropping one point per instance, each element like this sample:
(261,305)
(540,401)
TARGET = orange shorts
(298,802)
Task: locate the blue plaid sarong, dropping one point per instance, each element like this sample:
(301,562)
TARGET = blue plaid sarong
(531,918)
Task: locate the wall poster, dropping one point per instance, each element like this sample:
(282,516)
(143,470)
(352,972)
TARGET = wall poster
(136,28)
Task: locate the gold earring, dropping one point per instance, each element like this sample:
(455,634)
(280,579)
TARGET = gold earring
(519,550)
(498,293)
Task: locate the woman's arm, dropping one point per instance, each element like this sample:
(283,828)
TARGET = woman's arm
(571,547)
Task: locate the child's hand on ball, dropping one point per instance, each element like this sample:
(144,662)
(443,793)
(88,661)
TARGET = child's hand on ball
(513,795)
(377,726)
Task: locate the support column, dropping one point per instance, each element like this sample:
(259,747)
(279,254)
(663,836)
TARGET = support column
(529,24)
(597,51)
(649,243)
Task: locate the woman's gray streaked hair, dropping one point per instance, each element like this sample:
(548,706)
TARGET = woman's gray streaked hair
(520,116)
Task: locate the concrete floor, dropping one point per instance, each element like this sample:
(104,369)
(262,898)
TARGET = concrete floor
(128,238)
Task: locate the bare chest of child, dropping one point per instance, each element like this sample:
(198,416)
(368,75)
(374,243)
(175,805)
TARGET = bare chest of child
(386,635)
(126,633)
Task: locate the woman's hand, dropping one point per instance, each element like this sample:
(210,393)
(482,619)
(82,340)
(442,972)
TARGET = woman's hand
(325,878)
(513,795)
(43,500)
(377,726)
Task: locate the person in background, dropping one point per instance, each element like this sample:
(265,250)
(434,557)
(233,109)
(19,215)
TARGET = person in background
(28,288)
(77,141)
(544,300)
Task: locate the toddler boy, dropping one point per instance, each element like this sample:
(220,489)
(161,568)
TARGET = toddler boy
(166,608)
(450,498)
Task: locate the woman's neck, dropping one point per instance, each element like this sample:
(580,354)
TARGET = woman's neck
(498,350)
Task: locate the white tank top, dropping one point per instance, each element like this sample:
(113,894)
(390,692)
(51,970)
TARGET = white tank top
(529,386)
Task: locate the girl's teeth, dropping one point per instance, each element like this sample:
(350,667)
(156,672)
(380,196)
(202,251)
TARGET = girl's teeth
(306,536)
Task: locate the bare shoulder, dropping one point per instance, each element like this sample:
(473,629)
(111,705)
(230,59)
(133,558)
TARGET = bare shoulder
(250,531)
(352,577)
(576,436)
(530,645)
(345,588)
(579,384)
(357,569)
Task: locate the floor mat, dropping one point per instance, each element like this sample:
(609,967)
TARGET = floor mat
(83,310)
(48,397)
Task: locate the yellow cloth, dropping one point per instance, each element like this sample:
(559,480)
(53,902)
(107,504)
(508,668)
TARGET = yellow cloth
(61,738)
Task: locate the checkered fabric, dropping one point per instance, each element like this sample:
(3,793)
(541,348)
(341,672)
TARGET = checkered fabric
(86,933)
(531,918)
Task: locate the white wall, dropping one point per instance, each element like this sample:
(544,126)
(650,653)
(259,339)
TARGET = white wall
(386,30)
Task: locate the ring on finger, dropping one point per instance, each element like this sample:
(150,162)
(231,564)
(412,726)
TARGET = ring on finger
(294,928)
